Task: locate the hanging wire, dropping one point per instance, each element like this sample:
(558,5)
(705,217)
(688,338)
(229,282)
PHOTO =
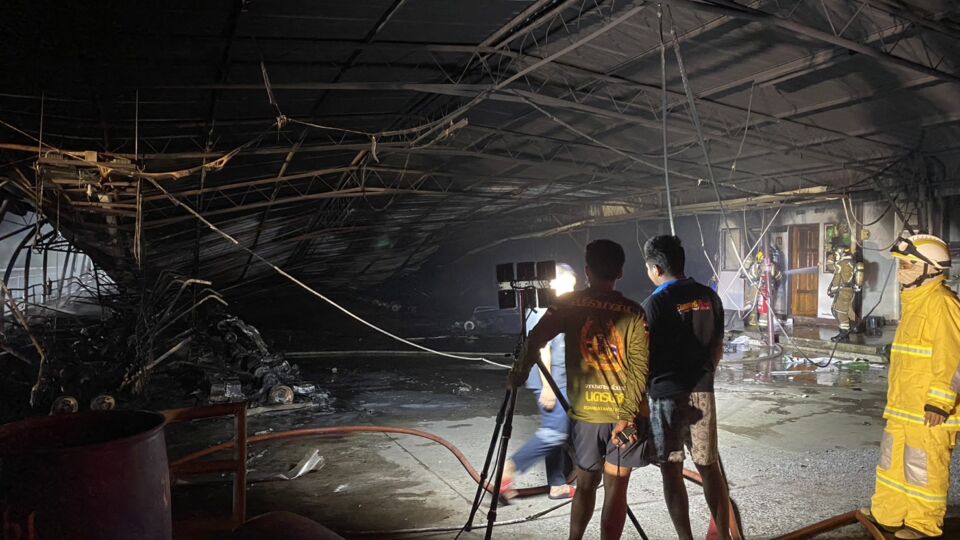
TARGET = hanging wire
(309,289)
(38,200)
(874,222)
(136,128)
(645,235)
(138,225)
(850,226)
(375,137)
(22,320)
(743,138)
(179,174)
(753,248)
(833,352)
(598,142)
(696,124)
(663,117)
(883,290)
(695,117)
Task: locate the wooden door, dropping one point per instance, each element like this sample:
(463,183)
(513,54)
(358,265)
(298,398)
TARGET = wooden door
(805,257)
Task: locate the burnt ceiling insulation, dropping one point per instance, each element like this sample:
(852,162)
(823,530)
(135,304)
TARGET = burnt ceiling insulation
(346,142)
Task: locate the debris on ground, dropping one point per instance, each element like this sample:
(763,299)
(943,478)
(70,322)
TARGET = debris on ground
(176,340)
(739,344)
(461,388)
(311,462)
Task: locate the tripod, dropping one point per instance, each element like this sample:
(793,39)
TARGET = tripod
(504,429)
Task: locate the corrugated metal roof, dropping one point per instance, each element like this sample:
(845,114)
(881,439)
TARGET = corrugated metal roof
(578,124)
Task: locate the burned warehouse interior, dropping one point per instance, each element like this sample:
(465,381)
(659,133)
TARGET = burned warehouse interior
(469,269)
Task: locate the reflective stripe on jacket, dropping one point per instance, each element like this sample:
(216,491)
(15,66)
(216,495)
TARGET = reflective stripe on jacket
(925,356)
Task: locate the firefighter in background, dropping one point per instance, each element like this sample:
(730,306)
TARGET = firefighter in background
(758,276)
(847,283)
(913,476)
(776,263)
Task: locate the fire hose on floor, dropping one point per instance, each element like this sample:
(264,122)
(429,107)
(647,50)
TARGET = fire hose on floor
(692,476)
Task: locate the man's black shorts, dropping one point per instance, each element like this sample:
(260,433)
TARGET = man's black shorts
(592,444)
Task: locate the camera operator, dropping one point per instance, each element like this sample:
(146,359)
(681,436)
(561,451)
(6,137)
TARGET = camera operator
(606,366)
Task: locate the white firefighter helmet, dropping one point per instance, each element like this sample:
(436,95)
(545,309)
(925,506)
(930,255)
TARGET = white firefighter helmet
(923,248)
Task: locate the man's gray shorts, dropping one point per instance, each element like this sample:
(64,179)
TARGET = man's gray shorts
(592,444)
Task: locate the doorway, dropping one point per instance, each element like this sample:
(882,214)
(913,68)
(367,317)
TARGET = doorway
(805,257)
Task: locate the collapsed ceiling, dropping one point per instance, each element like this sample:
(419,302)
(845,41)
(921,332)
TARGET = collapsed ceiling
(346,141)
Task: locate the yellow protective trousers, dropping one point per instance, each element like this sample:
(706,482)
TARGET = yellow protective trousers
(843,308)
(913,477)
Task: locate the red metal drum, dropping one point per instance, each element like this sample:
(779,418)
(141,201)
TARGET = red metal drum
(93,475)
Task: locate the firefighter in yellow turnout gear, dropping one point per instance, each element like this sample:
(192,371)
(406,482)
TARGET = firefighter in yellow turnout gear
(758,275)
(913,476)
(846,284)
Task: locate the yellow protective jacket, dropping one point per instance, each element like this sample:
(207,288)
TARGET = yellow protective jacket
(844,275)
(925,356)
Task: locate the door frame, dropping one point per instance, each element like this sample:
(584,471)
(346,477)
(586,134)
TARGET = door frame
(790,257)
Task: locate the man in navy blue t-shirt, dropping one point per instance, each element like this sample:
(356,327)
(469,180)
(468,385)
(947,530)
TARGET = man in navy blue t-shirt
(685,321)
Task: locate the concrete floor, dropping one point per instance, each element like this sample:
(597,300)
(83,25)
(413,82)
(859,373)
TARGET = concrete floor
(799,444)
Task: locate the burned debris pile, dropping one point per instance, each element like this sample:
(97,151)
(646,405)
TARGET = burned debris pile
(174,344)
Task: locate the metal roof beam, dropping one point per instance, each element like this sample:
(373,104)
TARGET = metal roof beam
(369,38)
(733,9)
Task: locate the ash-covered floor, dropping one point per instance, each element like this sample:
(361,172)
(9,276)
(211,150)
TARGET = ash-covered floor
(799,444)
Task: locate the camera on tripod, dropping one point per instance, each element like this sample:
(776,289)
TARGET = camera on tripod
(529,282)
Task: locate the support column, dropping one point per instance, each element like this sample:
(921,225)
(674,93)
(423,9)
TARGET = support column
(63,276)
(26,279)
(768,275)
(43,279)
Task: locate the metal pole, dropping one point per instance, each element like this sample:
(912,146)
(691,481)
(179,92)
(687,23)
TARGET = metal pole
(63,275)
(73,272)
(768,278)
(663,118)
(43,278)
(96,279)
(26,279)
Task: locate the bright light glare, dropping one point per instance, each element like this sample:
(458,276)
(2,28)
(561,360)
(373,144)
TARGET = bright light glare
(564,282)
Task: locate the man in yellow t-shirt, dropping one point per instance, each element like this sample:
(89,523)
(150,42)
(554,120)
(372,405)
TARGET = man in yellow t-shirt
(606,365)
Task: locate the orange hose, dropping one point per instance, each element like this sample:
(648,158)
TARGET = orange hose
(313,432)
(821,526)
(870,526)
(693,476)
(735,532)
(834,522)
